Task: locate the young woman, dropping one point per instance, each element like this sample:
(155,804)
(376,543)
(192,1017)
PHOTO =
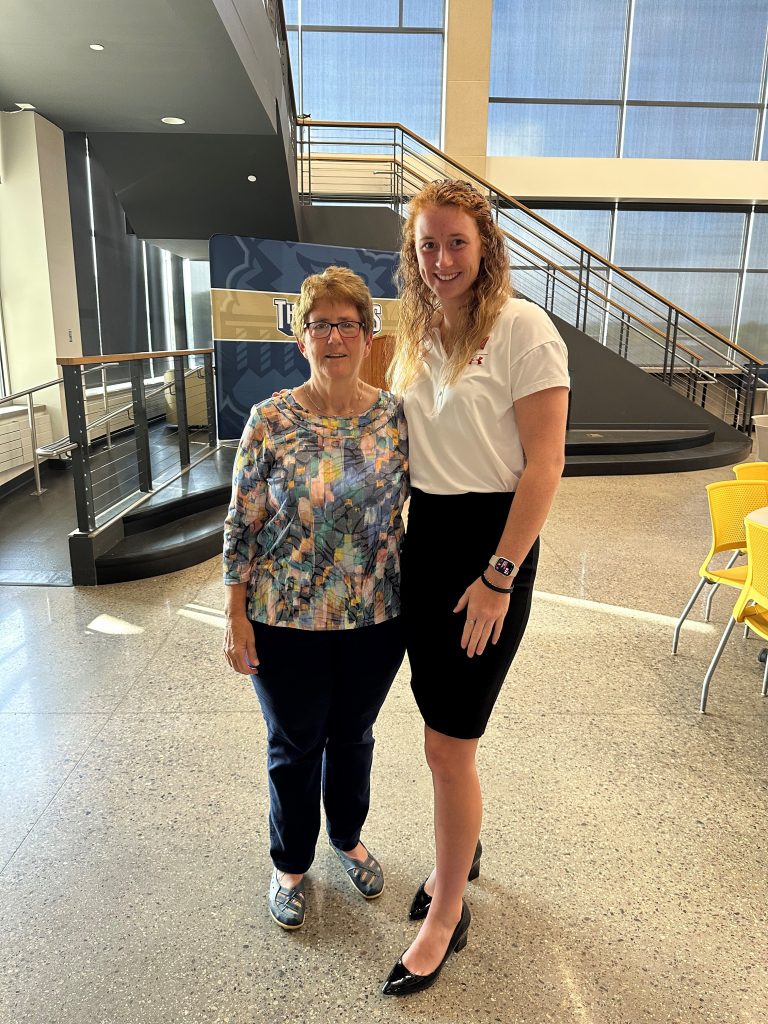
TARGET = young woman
(312,574)
(485,384)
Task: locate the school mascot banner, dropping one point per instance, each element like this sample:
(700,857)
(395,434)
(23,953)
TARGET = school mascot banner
(254,284)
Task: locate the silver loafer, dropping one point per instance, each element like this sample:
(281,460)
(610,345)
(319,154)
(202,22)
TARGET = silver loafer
(366,875)
(286,906)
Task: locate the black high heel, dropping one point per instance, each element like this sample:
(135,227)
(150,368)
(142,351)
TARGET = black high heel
(402,982)
(422,901)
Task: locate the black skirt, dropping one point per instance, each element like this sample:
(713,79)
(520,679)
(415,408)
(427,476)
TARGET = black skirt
(448,542)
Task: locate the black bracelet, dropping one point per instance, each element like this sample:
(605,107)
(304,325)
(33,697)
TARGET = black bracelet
(492,586)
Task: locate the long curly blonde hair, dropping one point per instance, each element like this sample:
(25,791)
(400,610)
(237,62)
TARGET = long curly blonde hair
(418,304)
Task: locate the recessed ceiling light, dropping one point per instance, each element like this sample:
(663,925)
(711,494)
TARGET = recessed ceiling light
(26,106)
(96,46)
(252,177)
(173,120)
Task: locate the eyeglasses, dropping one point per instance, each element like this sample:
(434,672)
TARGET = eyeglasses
(320,330)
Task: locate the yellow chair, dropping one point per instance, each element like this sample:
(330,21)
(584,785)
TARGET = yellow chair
(729,502)
(751,607)
(751,471)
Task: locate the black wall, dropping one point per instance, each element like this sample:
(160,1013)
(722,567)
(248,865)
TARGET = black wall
(121,294)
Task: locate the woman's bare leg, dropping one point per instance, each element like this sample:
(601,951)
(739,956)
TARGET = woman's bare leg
(458,816)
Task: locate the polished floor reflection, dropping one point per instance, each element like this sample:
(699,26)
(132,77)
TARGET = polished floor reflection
(624,872)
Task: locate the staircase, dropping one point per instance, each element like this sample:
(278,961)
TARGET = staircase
(595,303)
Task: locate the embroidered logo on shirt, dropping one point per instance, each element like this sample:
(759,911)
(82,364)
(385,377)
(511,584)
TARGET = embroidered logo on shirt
(479,357)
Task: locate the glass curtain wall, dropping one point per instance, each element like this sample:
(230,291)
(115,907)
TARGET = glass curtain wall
(668,79)
(680,79)
(375,61)
(712,262)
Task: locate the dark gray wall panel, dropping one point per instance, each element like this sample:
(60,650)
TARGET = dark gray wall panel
(360,227)
(77,179)
(606,390)
(195,186)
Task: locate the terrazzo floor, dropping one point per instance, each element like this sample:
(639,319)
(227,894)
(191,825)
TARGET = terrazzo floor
(625,866)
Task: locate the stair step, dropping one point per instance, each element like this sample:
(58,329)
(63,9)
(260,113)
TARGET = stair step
(618,440)
(172,509)
(166,548)
(709,456)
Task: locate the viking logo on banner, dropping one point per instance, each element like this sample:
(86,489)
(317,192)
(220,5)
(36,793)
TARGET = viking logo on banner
(254,283)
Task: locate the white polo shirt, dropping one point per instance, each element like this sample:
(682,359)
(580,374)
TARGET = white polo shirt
(465,438)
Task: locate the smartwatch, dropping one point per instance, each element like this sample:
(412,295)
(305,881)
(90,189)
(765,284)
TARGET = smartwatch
(503,566)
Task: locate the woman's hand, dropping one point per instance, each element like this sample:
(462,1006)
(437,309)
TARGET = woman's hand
(485,616)
(239,645)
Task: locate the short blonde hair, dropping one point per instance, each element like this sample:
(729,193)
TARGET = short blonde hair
(336,285)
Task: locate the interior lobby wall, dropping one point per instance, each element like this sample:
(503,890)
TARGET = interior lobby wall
(37,271)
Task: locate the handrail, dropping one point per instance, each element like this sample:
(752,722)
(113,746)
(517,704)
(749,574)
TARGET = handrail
(30,391)
(310,122)
(590,289)
(126,357)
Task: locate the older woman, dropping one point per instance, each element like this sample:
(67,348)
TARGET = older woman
(312,574)
(485,384)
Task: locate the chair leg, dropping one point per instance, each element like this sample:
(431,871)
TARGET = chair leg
(765,679)
(708,602)
(713,663)
(711,594)
(746,631)
(686,610)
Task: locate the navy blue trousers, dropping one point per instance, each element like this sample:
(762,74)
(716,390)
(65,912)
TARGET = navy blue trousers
(320,693)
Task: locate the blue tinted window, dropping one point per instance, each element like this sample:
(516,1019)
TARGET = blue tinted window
(758,245)
(547,129)
(293,53)
(678,238)
(589,227)
(558,49)
(708,297)
(291,12)
(689,133)
(753,324)
(351,77)
(382,13)
(423,13)
(703,50)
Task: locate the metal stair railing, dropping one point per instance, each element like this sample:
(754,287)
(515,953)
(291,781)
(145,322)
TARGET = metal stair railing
(112,477)
(36,453)
(386,164)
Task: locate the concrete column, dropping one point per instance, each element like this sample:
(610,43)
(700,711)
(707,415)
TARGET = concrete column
(37,266)
(466,81)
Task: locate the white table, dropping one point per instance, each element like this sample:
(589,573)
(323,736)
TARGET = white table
(759,516)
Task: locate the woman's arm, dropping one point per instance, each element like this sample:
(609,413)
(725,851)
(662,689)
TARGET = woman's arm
(246,515)
(541,419)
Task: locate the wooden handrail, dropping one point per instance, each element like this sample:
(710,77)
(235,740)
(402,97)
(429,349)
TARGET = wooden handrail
(128,357)
(309,122)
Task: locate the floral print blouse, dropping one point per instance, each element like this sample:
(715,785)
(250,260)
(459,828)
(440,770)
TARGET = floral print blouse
(315,519)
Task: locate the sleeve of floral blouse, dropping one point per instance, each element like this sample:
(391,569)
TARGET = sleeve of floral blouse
(247,505)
